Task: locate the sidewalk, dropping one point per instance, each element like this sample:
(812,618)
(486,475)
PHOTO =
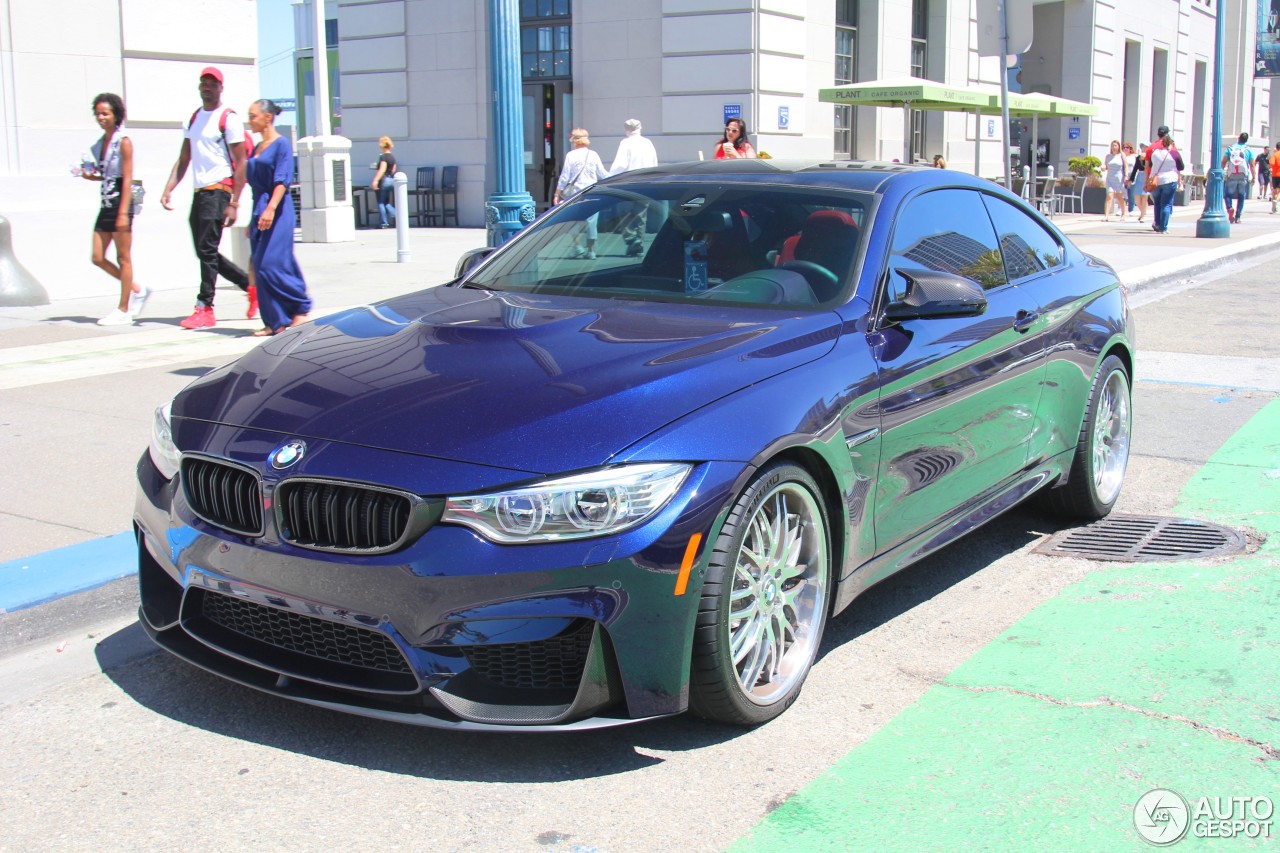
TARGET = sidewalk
(1143,257)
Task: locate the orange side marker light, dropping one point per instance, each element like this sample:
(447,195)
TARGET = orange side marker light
(686,565)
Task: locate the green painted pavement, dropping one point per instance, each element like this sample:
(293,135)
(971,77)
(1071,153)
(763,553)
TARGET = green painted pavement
(1138,677)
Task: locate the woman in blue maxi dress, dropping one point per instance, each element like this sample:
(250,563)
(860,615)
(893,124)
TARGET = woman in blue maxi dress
(282,292)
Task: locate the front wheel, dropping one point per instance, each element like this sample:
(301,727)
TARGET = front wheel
(1102,450)
(765,601)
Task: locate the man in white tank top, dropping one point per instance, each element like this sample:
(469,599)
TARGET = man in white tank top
(213,146)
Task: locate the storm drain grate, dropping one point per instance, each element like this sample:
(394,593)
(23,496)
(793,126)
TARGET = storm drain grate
(1145,538)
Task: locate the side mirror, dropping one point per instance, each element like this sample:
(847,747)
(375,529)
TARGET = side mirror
(931,294)
(471,259)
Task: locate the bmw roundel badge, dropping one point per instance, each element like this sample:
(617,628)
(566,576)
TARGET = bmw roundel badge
(287,454)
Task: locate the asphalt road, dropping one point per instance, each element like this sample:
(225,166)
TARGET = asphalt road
(110,746)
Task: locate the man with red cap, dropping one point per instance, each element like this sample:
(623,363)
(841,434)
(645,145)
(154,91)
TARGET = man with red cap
(213,146)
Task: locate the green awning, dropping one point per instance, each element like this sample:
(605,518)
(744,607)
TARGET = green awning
(913,93)
(1045,106)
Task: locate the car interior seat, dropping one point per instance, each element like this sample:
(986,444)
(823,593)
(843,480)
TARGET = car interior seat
(827,239)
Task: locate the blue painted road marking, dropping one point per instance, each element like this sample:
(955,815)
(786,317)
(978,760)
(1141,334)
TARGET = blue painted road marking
(43,577)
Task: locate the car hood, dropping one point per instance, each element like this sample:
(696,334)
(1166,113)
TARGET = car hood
(540,384)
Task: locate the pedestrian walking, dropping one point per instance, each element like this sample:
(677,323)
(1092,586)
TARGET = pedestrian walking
(734,145)
(112,166)
(582,168)
(1275,174)
(282,291)
(1238,163)
(1115,166)
(383,182)
(634,152)
(1163,177)
(213,146)
(1264,173)
(1137,180)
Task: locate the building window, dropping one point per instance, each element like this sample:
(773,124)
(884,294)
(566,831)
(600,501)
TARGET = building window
(919,62)
(545,29)
(846,72)
(331,32)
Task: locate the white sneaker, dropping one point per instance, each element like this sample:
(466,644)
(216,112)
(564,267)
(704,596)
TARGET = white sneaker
(138,301)
(577,252)
(591,256)
(116,318)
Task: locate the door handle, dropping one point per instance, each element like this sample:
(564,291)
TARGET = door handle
(1024,320)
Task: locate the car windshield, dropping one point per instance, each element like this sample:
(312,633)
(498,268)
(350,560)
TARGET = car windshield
(757,245)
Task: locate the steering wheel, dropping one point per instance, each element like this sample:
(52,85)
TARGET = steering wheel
(822,280)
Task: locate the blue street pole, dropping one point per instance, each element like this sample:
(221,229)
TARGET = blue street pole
(1213,222)
(510,207)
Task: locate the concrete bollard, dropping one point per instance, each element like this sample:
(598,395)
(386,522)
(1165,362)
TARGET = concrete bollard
(402,217)
(17,286)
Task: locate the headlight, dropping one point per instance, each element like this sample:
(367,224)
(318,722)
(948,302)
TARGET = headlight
(594,504)
(163,451)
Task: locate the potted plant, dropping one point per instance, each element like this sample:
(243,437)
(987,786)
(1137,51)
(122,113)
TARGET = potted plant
(1095,189)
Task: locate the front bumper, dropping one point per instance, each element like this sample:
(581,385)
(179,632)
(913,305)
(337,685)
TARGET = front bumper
(450,632)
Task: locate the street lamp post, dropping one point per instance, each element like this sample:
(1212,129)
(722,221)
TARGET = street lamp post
(1213,222)
(510,207)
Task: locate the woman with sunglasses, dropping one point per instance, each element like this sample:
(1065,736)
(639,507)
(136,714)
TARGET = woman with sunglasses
(734,145)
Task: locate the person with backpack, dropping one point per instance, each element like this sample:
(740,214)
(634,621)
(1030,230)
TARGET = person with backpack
(214,146)
(1237,162)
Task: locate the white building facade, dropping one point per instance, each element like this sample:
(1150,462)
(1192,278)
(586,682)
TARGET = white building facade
(55,57)
(417,71)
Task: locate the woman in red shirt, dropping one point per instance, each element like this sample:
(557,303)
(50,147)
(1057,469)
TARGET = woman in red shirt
(734,145)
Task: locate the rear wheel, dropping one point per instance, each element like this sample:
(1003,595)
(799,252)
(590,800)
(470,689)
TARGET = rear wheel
(1102,450)
(765,601)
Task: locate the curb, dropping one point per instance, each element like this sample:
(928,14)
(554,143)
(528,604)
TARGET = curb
(1186,266)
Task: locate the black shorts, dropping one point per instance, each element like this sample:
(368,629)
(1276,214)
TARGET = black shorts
(1275,182)
(107,219)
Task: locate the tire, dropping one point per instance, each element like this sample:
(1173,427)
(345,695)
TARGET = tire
(768,580)
(1102,450)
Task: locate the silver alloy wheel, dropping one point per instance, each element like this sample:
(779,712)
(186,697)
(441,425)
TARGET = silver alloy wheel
(1111,426)
(779,599)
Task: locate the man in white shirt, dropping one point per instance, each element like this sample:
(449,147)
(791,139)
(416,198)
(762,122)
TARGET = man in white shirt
(213,146)
(634,152)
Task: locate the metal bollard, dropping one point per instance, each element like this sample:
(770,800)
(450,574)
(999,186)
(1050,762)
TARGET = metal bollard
(1028,188)
(402,217)
(17,286)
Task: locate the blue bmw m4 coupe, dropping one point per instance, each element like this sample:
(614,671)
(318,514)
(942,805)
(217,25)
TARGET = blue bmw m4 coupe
(632,463)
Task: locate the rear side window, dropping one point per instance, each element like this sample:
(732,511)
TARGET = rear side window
(1027,247)
(949,231)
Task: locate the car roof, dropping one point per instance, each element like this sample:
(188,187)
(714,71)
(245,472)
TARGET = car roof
(864,175)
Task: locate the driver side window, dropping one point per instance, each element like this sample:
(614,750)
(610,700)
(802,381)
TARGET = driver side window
(946,231)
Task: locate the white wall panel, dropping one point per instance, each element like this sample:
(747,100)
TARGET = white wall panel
(785,35)
(368,123)
(64,27)
(782,74)
(676,6)
(706,33)
(374,54)
(373,89)
(707,73)
(222,28)
(445,16)
(371,19)
(167,91)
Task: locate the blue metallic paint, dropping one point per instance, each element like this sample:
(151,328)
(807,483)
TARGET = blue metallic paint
(419,394)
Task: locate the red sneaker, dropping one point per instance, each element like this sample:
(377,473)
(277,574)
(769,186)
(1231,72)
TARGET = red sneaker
(252,293)
(201,318)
